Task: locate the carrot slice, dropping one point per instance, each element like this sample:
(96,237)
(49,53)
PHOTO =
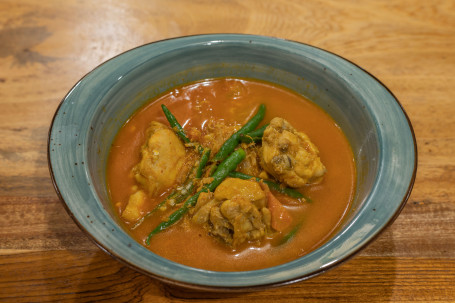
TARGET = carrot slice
(281,219)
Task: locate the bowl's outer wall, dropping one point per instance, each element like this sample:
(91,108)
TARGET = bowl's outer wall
(91,114)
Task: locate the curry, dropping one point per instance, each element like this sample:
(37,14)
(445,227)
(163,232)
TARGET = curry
(231,175)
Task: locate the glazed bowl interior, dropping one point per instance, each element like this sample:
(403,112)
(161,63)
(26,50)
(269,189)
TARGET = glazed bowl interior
(371,118)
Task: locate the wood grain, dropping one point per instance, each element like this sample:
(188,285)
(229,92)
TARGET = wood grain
(47,46)
(87,276)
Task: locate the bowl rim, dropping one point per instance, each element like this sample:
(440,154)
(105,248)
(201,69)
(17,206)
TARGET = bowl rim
(253,287)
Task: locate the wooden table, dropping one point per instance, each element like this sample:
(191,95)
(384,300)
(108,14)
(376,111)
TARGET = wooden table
(46,46)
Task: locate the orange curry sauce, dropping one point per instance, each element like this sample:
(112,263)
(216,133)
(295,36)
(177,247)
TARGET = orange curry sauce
(235,101)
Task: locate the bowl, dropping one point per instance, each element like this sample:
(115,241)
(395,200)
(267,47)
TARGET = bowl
(374,122)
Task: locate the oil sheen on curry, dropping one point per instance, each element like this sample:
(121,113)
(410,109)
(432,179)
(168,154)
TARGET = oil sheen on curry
(231,175)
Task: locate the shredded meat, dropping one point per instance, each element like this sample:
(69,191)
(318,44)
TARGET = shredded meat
(216,133)
(289,155)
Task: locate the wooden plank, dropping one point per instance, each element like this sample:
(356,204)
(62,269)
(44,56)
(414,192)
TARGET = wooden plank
(86,276)
(32,223)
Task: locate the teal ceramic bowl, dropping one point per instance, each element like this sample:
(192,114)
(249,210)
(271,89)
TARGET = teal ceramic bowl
(90,115)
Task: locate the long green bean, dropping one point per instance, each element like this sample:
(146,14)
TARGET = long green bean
(275,186)
(204,159)
(230,144)
(290,234)
(254,136)
(189,186)
(222,171)
(175,125)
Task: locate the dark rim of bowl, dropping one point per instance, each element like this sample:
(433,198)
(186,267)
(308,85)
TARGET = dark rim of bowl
(258,286)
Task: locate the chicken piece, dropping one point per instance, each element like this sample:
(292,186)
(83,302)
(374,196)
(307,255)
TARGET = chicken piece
(289,155)
(251,164)
(236,212)
(203,215)
(248,224)
(230,209)
(266,216)
(220,226)
(203,199)
(162,159)
(249,189)
(202,209)
(133,210)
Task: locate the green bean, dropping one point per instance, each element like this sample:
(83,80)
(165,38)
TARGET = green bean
(231,143)
(178,129)
(222,171)
(204,159)
(172,196)
(254,136)
(254,121)
(290,234)
(189,186)
(228,165)
(175,125)
(275,186)
(179,195)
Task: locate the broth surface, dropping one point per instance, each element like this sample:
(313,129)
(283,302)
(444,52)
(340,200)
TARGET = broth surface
(234,101)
